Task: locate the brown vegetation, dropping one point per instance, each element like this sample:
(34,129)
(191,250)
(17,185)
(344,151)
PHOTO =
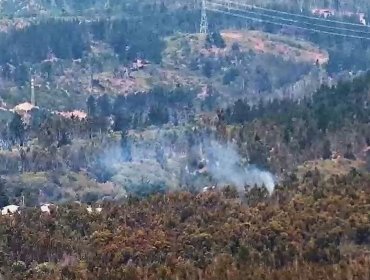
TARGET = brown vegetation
(308,229)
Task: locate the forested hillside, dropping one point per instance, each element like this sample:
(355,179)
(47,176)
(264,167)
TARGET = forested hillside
(169,105)
(308,229)
(333,119)
(277,136)
(132,146)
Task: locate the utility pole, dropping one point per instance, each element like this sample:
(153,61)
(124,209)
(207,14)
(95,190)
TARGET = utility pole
(203,21)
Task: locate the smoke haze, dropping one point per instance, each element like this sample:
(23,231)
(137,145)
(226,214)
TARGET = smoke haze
(157,166)
(226,167)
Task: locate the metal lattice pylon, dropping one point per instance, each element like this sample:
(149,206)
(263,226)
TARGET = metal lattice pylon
(203,20)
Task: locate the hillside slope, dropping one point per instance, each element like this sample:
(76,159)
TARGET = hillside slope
(308,229)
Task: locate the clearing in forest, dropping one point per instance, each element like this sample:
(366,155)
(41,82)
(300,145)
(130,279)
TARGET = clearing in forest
(288,48)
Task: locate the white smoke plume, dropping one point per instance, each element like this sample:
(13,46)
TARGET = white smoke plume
(226,167)
(207,163)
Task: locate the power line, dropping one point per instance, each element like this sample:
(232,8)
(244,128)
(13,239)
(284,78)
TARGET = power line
(298,15)
(286,25)
(290,20)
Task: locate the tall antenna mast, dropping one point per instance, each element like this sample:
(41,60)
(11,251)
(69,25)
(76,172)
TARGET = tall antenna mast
(203,21)
(33,99)
(301,5)
(107,4)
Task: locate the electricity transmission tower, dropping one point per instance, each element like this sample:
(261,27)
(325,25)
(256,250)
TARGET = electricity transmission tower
(203,21)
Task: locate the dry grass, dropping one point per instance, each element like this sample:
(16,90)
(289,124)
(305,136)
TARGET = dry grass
(331,167)
(257,41)
(278,45)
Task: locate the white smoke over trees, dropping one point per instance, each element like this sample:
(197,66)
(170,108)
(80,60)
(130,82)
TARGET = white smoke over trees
(227,168)
(161,164)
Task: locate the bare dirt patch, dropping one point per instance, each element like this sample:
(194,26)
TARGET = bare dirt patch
(286,47)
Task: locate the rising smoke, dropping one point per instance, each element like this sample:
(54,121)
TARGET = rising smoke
(160,164)
(227,168)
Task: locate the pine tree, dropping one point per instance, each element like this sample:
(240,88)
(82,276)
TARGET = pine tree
(104,106)
(91,106)
(121,122)
(4,199)
(326,150)
(349,153)
(207,69)
(126,146)
(218,41)
(17,129)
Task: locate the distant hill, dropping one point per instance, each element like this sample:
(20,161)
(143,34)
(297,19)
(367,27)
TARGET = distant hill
(73,7)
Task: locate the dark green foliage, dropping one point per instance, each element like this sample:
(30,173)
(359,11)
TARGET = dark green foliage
(71,40)
(67,40)
(326,152)
(91,106)
(207,68)
(64,139)
(310,129)
(329,108)
(104,106)
(143,109)
(119,105)
(147,188)
(235,47)
(4,199)
(239,113)
(243,254)
(126,38)
(158,115)
(218,41)
(90,197)
(17,129)
(21,75)
(160,157)
(349,153)
(126,149)
(215,39)
(230,76)
(121,122)
(363,235)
